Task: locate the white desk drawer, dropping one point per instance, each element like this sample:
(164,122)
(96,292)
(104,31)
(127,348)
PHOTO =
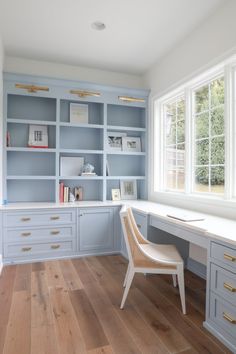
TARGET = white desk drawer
(38,234)
(223,282)
(223,314)
(28,249)
(28,218)
(224,254)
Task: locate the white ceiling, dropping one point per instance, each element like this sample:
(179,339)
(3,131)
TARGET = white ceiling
(138,33)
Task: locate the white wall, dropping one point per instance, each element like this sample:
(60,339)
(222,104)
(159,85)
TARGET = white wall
(209,44)
(54,70)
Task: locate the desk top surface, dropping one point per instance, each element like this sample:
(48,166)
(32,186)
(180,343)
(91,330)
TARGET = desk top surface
(213,227)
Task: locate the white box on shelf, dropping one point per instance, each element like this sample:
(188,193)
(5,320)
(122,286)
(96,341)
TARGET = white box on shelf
(71,166)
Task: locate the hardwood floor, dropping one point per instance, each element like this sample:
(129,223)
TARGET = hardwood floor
(72,307)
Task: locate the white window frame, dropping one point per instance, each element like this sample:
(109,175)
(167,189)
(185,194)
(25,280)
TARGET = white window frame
(156,147)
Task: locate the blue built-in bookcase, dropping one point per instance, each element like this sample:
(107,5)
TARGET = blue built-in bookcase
(33,175)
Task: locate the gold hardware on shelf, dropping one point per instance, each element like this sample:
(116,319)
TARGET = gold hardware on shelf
(83,94)
(229,257)
(25,234)
(31,88)
(55,232)
(26,249)
(25,219)
(229,287)
(54,247)
(131,99)
(228,318)
(139,226)
(55,217)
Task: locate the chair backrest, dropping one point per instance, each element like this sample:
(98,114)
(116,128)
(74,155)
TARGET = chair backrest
(131,241)
(139,236)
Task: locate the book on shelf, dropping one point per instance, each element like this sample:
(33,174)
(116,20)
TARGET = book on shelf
(88,174)
(61,192)
(66,194)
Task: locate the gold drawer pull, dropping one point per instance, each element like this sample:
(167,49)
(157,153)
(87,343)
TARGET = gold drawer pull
(55,232)
(55,247)
(55,217)
(229,287)
(25,234)
(26,249)
(139,226)
(228,318)
(25,219)
(229,257)
(31,88)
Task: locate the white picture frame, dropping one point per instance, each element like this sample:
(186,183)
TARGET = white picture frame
(38,136)
(71,166)
(115,195)
(131,144)
(114,140)
(128,189)
(78,113)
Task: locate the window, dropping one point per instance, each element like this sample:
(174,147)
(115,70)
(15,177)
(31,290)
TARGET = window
(174,116)
(194,146)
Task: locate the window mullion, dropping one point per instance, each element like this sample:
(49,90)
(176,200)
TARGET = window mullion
(188,138)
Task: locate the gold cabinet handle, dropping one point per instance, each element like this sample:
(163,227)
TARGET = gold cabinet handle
(55,232)
(229,257)
(54,247)
(25,219)
(31,88)
(228,318)
(25,234)
(139,226)
(55,217)
(229,287)
(26,249)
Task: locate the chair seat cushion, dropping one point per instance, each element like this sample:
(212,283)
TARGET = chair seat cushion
(167,254)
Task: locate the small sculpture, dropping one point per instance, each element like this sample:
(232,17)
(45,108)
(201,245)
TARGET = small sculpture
(72,198)
(88,168)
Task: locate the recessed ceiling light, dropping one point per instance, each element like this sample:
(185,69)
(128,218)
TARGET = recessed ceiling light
(99,26)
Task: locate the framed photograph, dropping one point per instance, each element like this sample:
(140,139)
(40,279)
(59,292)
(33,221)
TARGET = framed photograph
(114,140)
(128,189)
(78,113)
(38,136)
(132,144)
(71,166)
(115,194)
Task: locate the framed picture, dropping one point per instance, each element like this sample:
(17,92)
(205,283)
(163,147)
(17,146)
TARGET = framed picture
(71,166)
(128,189)
(78,113)
(38,136)
(132,144)
(114,140)
(115,194)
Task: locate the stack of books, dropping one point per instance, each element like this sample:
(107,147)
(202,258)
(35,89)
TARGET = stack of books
(65,193)
(88,174)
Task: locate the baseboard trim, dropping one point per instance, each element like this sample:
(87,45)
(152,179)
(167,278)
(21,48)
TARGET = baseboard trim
(1,264)
(196,268)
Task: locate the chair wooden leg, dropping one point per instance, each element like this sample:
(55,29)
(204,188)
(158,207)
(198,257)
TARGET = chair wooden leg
(174,277)
(181,287)
(127,287)
(126,276)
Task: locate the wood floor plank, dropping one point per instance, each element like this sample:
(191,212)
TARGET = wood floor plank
(55,277)
(83,271)
(43,340)
(68,332)
(102,350)
(70,275)
(89,323)
(41,310)
(37,266)
(23,275)
(18,329)
(7,280)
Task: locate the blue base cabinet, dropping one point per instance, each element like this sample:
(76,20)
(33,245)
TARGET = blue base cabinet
(221,293)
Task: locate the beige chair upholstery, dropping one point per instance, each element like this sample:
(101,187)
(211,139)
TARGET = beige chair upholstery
(146,257)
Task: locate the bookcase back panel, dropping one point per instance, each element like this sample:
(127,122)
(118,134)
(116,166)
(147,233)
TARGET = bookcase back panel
(32,108)
(120,165)
(126,116)
(30,164)
(94,159)
(31,191)
(81,138)
(115,184)
(92,189)
(95,111)
(19,135)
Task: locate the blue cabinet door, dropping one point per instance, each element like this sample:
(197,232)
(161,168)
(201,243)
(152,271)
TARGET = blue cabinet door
(96,229)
